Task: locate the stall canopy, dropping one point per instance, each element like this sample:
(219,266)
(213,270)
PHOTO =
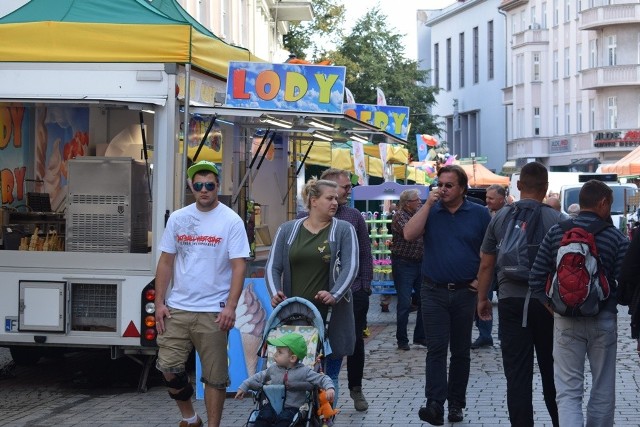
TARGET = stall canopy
(480,176)
(629,165)
(114,31)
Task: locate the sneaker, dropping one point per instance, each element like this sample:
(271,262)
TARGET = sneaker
(432,414)
(455,414)
(482,342)
(184,423)
(359,402)
(366,332)
(404,346)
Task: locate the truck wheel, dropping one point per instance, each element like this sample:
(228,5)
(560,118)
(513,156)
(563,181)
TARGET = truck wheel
(25,356)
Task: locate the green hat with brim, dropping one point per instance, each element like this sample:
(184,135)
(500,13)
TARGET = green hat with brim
(202,165)
(295,343)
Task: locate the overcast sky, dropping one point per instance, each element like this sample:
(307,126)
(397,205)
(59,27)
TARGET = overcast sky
(401,14)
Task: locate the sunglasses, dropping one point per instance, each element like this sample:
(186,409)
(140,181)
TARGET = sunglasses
(210,186)
(447,185)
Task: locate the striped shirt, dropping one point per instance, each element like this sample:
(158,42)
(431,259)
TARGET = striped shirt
(612,245)
(411,250)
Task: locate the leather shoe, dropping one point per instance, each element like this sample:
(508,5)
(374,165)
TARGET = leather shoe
(482,342)
(432,414)
(455,414)
(404,346)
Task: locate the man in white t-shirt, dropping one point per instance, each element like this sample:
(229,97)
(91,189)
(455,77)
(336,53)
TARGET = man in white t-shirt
(203,252)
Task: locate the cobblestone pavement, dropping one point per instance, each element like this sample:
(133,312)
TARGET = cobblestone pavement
(84,389)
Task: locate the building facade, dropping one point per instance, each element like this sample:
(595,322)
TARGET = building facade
(463,46)
(258,25)
(573,81)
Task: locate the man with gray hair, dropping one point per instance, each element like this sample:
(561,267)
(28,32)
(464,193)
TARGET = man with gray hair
(573,210)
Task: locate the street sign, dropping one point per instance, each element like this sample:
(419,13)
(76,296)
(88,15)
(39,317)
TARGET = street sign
(470,160)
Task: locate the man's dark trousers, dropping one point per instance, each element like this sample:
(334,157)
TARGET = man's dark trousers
(518,344)
(355,362)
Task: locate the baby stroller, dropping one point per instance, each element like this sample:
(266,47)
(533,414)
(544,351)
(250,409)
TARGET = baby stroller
(301,316)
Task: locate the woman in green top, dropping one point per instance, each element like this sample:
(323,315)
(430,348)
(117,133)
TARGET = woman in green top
(316,258)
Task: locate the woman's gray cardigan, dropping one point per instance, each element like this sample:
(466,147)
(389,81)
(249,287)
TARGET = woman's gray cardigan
(344,268)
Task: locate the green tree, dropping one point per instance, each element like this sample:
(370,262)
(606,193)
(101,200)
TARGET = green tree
(315,38)
(374,57)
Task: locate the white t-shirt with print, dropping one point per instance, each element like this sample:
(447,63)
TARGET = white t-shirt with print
(204,244)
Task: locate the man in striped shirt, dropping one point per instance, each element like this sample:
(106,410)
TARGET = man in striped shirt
(577,337)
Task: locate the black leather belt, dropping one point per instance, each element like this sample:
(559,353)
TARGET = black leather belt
(452,286)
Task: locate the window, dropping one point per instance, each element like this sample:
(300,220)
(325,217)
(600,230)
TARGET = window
(225,26)
(519,69)
(244,26)
(555,13)
(436,64)
(592,114)
(448,64)
(536,66)
(476,55)
(461,59)
(543,15)
(556,119)
(567,10)
(567,62)
(523,20)
(578,8)
(536,121)
(514,22)
(533,17)
(593,53)
(638,48)
(578,57)
(490,49)
(567,119)
(579,117)
(612,112)
(520,122)
(611,50)
(555,65)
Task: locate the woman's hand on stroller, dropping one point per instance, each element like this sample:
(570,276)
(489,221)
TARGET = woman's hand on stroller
(240,394)
(325,297)
(278,298)
(330,393)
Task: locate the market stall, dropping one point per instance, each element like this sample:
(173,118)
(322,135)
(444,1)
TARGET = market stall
(379,223)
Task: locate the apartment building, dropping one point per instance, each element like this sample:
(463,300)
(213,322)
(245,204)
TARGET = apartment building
(573,81)
(258,25)
(463,46)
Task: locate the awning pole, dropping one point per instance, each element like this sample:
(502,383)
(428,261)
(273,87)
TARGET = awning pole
(185,128)
(204,138)
(248,171)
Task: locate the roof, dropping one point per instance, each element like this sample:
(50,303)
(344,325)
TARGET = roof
(118,31)
(629,165)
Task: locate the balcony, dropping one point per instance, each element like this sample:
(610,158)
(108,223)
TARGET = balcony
(611,76)
(507,95)
(597,18)
(291,10)
(532,35)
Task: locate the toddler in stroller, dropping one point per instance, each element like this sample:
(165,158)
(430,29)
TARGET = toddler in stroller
(286,391)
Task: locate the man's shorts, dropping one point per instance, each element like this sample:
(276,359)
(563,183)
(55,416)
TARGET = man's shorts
(187,329)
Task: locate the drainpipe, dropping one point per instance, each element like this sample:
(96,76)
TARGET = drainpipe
(506,51)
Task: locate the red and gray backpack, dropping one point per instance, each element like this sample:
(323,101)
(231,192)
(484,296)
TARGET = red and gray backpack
(579,287)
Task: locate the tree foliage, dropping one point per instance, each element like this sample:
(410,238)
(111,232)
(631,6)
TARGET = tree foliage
(316,37)
(373,55)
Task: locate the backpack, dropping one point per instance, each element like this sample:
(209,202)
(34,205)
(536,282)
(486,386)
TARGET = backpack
(523,233)
(579,287)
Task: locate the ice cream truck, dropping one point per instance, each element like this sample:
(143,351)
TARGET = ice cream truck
(95,135)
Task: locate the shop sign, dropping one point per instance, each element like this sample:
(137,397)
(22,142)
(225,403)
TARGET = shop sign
(630,138)
(15,122)
(390,118)
(288,87)
(559,146)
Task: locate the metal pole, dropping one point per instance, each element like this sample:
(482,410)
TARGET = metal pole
(185,128)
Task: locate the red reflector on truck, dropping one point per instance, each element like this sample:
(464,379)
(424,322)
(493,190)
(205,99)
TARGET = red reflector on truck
(132,331)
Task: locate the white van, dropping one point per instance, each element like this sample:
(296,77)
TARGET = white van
(556,181)
(622,194)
